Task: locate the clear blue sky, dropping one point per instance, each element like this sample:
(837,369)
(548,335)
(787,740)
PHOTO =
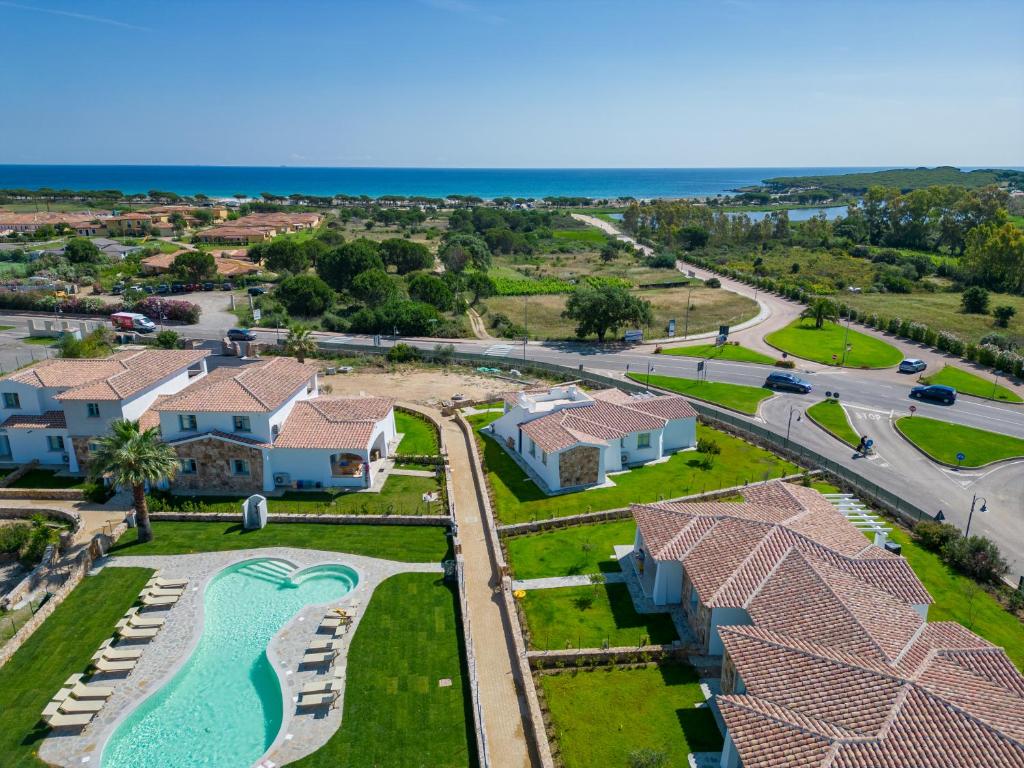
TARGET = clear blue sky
(471,83)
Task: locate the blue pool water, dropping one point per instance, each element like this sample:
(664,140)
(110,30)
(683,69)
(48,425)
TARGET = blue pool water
(224,706)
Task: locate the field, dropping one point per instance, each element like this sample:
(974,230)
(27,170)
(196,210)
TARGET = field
(724,352)
(971,384)
(801,339)
(711,307)
(943,441)
(738,397)
(420,436)
(589,235)
(829,414)
(581,549)
(601,716)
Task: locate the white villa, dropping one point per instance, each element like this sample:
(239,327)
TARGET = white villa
(569,438)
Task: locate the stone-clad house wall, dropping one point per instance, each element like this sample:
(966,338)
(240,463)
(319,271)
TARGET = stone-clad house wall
(82,453)
(579,466)
(213,467)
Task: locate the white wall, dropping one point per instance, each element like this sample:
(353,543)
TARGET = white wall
(639,455)
(668,583)
(277,418)
(309,464)
(680,433)
(135,406)
(508,425)
(29,444)
(27,396)
(725,617)
(548,472)
(80,424)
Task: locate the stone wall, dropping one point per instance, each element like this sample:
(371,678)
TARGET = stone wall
(590,657)
(579,466)
(51,494)
(279,517)
(213,467)
(82,453)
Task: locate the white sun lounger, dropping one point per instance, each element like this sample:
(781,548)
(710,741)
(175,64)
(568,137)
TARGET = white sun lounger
(332,683)
(136,633)
(106,665)
(136,619)
(159,581)
(317,699)
(56,719)
(159,592)
(158,602)
(83,691)
(118,654)
(321,645)
(70,706)
(318,658)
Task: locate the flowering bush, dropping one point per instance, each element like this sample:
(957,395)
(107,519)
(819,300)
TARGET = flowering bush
(180,311)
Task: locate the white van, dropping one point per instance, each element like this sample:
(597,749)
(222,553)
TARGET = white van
(132,321)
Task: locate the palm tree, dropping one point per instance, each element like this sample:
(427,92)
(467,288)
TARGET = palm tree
(300,343)
(133,458)
(821,309)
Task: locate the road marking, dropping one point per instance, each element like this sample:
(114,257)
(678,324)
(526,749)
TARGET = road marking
(498,350)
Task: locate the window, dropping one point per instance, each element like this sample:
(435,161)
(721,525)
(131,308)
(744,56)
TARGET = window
(187,466)
(187,422)
(544,457)
(242,424)
(5,446)
(533,448)
(93,410)
(239,467)
(12,400)
(643,440)
(55,443)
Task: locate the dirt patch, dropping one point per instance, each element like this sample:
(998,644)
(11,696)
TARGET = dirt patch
(417,385)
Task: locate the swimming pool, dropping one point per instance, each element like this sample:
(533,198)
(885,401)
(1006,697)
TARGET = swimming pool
(224,707)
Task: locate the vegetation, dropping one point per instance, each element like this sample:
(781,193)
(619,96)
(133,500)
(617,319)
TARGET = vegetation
(825,345)
(647,708)
(904,179)
(830,416)
(943,440)
(43,478)
(29,540)
(968,383)
(98,343)
(605,308)
(407,544)
(300,343)
(61,646)
(974,556)
(305,295)
(396,713)
(721,352)
(738,397)
(581,549)
(419,435)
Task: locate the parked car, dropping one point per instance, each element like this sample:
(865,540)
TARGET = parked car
(256,291)
(940,393)
(912,365)
(207,286)
(241,334)
(345,369)
(227,287)
(117,289)
(163,288)
(177,287)
(148,289)
(132,321)
(789,382)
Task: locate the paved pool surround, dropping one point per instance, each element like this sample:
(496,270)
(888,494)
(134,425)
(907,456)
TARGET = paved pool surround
(165,654)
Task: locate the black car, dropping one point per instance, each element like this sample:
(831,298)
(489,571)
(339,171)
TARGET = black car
(241,334)
(177,287)
(937,392)
(163,288)
(256,291)
(226,287)
(788,382)
(207,286)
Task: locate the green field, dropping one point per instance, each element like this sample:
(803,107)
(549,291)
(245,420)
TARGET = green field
(723,352)
(968,383)
(829,415)
(589,235)
(581,549)
(943,441)
(739,397)
(60,647)
(396,713)
(420,436)
(407,544)
(801,339)
(601,716)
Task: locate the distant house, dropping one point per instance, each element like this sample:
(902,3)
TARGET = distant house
(114,249)
(571,439)
(128,224)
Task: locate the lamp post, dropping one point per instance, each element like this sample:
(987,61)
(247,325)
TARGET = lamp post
(789,423)
(984,508)
(686,322)
(846,339)
(649,369)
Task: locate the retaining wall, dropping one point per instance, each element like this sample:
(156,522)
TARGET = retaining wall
(43,494)
(279,517)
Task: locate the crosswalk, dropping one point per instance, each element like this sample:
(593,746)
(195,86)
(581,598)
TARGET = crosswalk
(498,350)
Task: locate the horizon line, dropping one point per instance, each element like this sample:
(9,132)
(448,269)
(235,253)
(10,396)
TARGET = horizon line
(516,168)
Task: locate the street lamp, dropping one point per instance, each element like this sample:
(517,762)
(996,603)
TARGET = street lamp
(984,508)
(649,369)
(789,423)
(846,339)
(686,328)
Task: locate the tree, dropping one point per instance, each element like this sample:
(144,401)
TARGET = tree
(194,266)
(305,295)
(480,284)
(167,339)
(283,254)
(300,343)
(339,266)
(134,459)
(974,300)
(820,309)
(406,256)
(995,256)
(374,286)
(178,222)
(1003,313)
(81,250)
(605,308)
(464,251)
(98,343)
(432,290)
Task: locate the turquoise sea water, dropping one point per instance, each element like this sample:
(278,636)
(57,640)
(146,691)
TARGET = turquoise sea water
(223,709)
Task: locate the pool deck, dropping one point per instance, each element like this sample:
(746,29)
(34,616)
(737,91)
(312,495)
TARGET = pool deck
(301,733)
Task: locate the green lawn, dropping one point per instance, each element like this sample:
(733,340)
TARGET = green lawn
(402,495)
(590,235)
(569,551)
(829,414)
(591,617)
(6,327)
(405,543)
(420,436)
(943,441)
(971,384)
(602,715)
(39,341)
(739,397)
(724,352)
(802,339)
(519,500)
(41,478)
(60,647)
(395,713)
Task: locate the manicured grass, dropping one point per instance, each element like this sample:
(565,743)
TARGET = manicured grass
(739,397)
(591,617)
(943,441)
(41,478)
(823,487)
(395,713)
(420,436)
(6,327)
(39,341)
(971,384)
(60,647)
(401,495)
(519,500)
(407,544)
(602,715)
(829,414)
(723,352)
(802,339)
(958,598)
(569,551)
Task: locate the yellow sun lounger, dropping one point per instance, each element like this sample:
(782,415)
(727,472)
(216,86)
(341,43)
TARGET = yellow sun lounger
(105,665)
(53,716)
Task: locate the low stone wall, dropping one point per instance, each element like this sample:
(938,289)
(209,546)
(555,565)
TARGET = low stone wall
(25,513)
(19,473)
(592,657)
(43,494)
(279,517)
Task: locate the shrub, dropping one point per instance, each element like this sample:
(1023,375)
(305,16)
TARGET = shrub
(174,310)
(974,300)
(706,445)
(167,340)
(713,282)
(1003,313)
(934,536)
(335,323)
(14,537)
(987,354)
(894,324)
(647,758)
(977,557)
(785,364)
(951,343)
(931,337)
(403,353)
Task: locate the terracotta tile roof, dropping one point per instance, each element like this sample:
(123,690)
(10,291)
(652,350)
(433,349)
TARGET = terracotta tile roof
(47,420)
(150,418)
(254,388)
(216,434)
(343,423)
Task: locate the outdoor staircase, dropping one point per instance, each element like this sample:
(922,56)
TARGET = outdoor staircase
(272,571)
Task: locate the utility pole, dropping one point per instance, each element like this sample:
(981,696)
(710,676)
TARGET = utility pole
(686,323)
(648,384)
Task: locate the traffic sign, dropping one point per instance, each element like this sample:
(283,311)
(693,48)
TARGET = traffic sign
(257,315)
(700,366)
(672,327)
(723,330)
(960,458)
(913,410)
(869,443)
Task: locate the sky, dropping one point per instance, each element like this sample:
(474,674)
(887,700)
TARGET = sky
(523,83)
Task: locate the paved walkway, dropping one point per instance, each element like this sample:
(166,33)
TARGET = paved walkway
(578,580)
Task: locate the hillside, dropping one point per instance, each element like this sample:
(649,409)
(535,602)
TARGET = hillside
(904,179)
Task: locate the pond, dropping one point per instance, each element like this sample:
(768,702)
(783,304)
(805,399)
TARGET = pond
(795,214)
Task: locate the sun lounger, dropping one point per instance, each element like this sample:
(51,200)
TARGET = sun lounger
(83,691)
(158,592)
(71,706)
(321,645)
(340,631)
(318,658)
(332,683)
(136,619)
(56,719)
(317,699)
(159,581)
(158,602)
(106,665)
(330,622)
(116,654)
(136,633)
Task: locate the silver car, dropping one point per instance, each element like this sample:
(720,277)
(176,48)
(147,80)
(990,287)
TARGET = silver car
(912,365)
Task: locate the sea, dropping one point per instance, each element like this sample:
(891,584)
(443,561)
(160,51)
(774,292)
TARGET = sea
(487,183)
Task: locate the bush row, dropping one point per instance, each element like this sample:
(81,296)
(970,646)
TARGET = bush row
(175,310)
(975,556)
